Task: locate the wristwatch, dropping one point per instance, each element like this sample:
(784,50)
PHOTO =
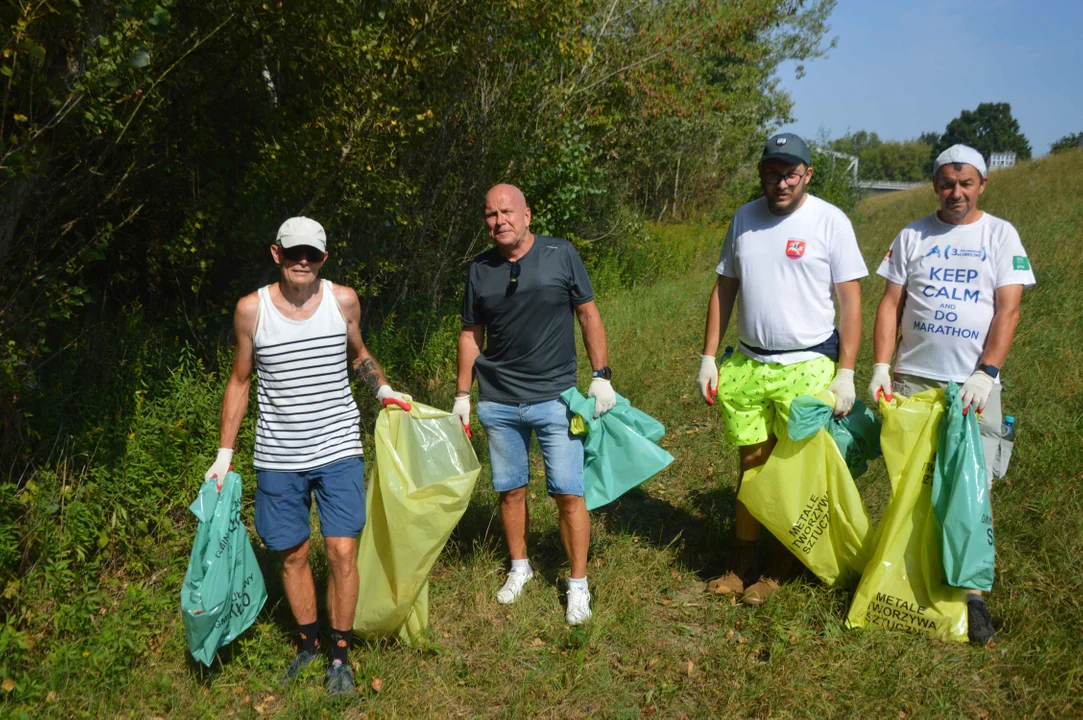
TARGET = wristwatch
(605,373)
(990,370)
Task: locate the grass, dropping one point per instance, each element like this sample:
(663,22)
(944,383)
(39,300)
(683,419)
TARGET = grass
(658,645)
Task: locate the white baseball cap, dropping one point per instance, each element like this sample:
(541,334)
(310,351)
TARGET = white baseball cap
(961,154)
(302,231)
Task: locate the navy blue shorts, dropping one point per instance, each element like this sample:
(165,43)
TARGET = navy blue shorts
(284,501)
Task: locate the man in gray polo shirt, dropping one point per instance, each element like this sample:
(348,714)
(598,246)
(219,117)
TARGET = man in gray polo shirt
(521,301)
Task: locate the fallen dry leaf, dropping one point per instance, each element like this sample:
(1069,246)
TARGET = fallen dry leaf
(743,640)
(691,668)
(729,635)
(537,642)
(676,574)
(648,710)
(9,684)
(793,639)
(51,698)
(666,601)
(447,635)
(377,684)
(247,699)
(653,662)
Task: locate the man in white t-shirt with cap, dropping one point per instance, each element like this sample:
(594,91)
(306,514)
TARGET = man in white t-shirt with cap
(789,255)
(954,284)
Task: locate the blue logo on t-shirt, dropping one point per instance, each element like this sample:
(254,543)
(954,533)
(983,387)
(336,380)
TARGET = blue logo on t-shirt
(950,252)
(934,251)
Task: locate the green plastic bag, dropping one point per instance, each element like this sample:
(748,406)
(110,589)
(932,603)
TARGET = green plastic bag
(960,498)
(223,589)
(805,496)
(857,434)
(902,587)
(619,451)
(418,488)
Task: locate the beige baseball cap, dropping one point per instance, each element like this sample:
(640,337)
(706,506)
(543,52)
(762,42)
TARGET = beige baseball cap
(302,231)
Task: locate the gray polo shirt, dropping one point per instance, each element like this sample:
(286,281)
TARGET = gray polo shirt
(529,353)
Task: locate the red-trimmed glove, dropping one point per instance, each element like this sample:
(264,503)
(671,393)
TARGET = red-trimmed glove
(708,378)
(222,464)
(387,396)
(881,383)
(461,409)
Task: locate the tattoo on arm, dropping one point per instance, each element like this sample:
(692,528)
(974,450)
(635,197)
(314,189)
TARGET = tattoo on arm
(370,372)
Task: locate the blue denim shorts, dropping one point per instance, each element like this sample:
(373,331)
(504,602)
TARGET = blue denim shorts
(284,502)
(509,425)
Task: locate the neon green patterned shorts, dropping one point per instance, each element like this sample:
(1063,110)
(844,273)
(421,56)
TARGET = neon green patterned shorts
(756,396)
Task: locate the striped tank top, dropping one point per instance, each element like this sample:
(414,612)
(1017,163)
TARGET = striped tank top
(307,414)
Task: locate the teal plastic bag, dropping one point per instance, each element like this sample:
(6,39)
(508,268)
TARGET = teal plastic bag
(857,434)
(619,451)
(223,589)
(960,498)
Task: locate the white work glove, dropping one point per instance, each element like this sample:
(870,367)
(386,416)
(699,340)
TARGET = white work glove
(604,396)
(881,383)
(975,392)
(387,396)
(221,465)
(843,388)
(461,409)
(708,378)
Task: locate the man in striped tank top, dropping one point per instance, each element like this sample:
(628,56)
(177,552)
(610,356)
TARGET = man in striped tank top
(522,299)
(302,336)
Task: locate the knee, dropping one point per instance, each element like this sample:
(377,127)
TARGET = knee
(570,505)
(510,498)
(295,558)
(342,554)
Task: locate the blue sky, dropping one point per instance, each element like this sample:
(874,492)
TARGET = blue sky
(903,67)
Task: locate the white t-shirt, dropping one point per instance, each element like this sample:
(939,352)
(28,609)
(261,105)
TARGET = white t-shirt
(788,267)
(951,273)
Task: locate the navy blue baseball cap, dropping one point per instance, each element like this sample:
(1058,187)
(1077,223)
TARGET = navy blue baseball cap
(788,148)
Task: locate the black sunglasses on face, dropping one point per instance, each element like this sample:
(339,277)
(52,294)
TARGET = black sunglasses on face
(297,253)
(513,281)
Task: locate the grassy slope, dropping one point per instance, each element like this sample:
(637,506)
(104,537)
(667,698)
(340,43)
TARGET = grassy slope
(658,644)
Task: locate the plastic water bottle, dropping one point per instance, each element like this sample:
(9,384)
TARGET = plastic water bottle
(1004,452)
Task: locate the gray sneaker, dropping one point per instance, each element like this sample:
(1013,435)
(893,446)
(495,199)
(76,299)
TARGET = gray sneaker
(300,662)
(340,679)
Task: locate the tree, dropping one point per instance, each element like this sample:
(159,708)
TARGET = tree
(989,128)
(1068,142)
(855,143)
(929,138)
(896,161)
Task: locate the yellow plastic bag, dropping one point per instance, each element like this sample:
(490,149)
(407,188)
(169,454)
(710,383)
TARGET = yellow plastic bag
(903,587)
(418,489)
(805,496)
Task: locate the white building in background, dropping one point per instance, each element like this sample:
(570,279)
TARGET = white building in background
(999,160)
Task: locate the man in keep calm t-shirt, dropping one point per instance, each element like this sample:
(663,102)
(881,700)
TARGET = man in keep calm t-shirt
(958,277)
(788,255)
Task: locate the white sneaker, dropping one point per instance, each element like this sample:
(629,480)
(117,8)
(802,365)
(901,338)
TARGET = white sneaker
(578,607)
(513,587)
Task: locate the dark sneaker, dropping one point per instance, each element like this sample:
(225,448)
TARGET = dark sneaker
(979,624)
(340,679)
(300,662)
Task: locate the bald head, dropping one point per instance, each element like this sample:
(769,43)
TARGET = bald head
(505,194)
(507,218)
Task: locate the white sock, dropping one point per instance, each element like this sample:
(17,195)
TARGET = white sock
(520,566)
(578,583)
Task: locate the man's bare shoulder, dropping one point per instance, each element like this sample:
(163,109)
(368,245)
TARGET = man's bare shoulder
(244,317)
(347,298)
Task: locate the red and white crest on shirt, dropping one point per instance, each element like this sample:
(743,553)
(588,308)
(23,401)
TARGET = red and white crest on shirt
(795,249)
